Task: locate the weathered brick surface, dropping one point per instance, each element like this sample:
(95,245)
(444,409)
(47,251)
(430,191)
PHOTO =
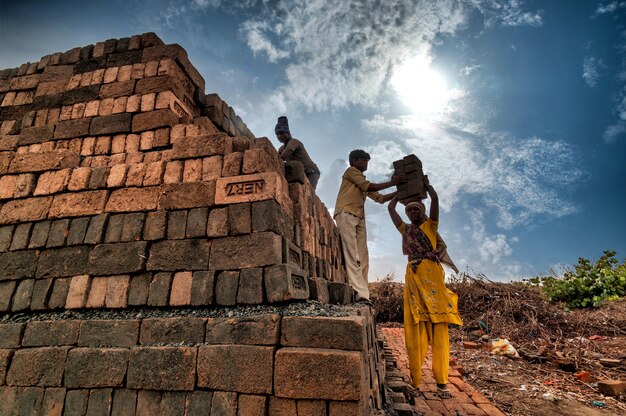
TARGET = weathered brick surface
(217,225)
(255,330)
(226,288)
(58,295)
(68,129)
(117,291)
(78,204)
(107,259)
(37,367)
(124,402)
(78,291)
(192,254)
(279,406)
(202,284)
(32,135)
(99,402)
(41,292)
(196,223)
(21,210)
(109,333)
(233,253)
(187,195)
(133,199)
(139,289)
(300,373)
(344,333)
(284,282)
(199,403)
(181,330)
(252,405)
(220,368)
(58,233)
(22,296)
(148,365)
(154,120)
(270,216)
(63,262)
(76,402)
(159,290)
(251,289)
(148,403)
(53,399)
(225,403)
(155,225)
(176,224)
(318,289)
(96,367)
(6,294)
(202,146)
(11,335)
(181,289)
(18,264)
(311,407)
(50,333)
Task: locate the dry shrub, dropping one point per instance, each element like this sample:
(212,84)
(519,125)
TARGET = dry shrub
(387,297)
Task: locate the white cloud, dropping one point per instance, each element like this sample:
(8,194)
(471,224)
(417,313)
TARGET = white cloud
(609,7)
(258,41)
(590,70)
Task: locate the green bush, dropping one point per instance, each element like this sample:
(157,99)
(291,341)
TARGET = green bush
(588,285)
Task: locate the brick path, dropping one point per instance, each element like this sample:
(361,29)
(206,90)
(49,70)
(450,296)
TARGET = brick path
(466,400)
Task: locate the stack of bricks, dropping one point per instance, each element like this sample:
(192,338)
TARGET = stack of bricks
(413,189)
(122,185)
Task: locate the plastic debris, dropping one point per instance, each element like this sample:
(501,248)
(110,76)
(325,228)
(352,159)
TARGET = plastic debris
(598,403)
(503,347)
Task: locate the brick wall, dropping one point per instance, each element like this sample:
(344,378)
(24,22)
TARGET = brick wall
(125,189)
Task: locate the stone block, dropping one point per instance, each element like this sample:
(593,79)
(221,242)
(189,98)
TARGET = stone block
(69,129)
(344,333)
(226,288)
(148,364)
(191,254)
(133,199)
(251,288)
(220,368)
(284,282)
(201,146)
(108,333)
(254,330)
(154,120)
(252,188)
(181,289)
(179,330)
(202,287)
(23,210)
(50,333)
(311,373)
(318,289)
(63,262)
(233,253)
(120,258)
(11,335)
(187,195)
(159,290)
(110,124)
(37,367)
(78,204)
(96,367)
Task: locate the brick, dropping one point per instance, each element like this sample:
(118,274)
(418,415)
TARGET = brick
(124,402)
(38,134)
(187,195)
(108,333)
(252,188)
(52,182)
(233,252)
(37,367)
(103,145)
(220,368)
(176,255)
(23,210)
(117,291)
(147,102)
(154,173)
(202,146)
(148,403)
(257,330)
(58,233)
(138,290)
(64,262)
(211,167)
(110,124)
(78,204)
(77,231)
(117,89)
(6,294)
(41,291)
(77,293)
(76,402)
(155,225)
(279,406)
(162,137)
(251,288)
(345,333)
(50,333)
(68,129)
(239,219)
(158,293)
(96,229)
(132,226)
(284,282)
(23,295)
(225,403)
(226,288)
(350,408)
(18,265)
(20,236)
(153,120)
(311,408)
(176,223)
(179,330)
(198,403)
(133,199)
(217,225)
(148,364)
(97,292)
(6,234)
(79,179)
(26,400)
(58,296)
(11,335)
(96,367)
(197,222)
(172,403)
(7,186)
(53,399)
(120,258)
(202,287)
(114,229)
(340,293)
(181,289)
(611,387)
(136,173)
(99,402)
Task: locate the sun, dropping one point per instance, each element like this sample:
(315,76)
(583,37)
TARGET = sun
(419,87)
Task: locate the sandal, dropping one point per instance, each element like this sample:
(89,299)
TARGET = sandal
(443,392)
(412,393)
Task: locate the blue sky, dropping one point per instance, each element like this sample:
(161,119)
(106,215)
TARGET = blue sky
(517,109)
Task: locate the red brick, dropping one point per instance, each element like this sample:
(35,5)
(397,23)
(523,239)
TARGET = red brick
(232,164)
(96,367)
(202,287)
(22,296)
(7,186)
(181,289)
(225,403)
(307,373)
(283,407)
(199,403)
(78,204)
(217,225)
(133,199)
(257,330)
(251,290)
(99,402)
(172,330)
(490,409)
(109,333)
(69,129)
(285,282)
(154,174)
(50,333)
(53,399)
(148,403)
(226,288)
(174,255)
(136,173)
(153,120)
(78,291)
(37,367)
(252,405)
(220,368)
(124,402)
(187,195)
(79,179)
(192,170)
(117,89)
(233,253)
(211,167)
(344,333)
(148,364)
(117,292)
(200,146)
(11,335)
(23,210)
(52,182)
(97,292)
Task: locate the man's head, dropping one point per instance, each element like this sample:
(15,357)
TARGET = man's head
(359,159)
(282,129)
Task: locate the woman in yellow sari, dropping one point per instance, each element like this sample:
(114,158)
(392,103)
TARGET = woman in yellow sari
(428,305)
